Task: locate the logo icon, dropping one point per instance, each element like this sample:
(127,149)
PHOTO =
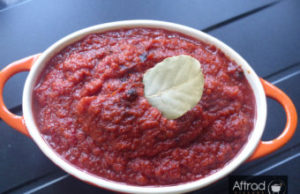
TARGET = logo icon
(258,184)
(277,187)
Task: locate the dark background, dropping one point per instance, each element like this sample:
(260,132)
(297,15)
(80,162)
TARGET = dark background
(265,32)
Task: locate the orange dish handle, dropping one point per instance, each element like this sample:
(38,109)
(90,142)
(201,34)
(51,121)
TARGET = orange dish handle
(266,147)
(15,121)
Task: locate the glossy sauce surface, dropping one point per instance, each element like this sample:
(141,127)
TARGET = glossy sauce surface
(90,107)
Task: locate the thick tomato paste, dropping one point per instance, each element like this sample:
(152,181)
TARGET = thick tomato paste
(90,107)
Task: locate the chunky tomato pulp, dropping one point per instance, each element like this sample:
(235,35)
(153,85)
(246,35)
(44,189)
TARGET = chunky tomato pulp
(89,106)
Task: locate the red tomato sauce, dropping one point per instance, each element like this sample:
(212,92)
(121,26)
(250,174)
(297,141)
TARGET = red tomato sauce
(89,106)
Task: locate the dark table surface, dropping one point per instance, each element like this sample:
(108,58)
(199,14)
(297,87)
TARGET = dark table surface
(265,32)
